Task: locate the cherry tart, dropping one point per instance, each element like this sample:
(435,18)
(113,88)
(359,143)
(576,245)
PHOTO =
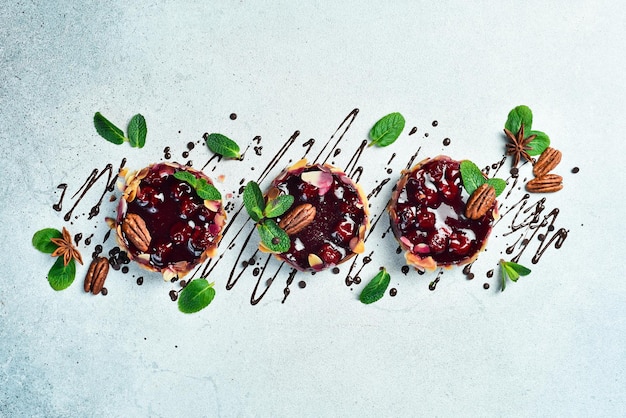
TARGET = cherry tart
(427,213)
(328,219)
(163,224)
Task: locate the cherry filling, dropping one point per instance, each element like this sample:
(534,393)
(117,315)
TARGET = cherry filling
(337,231)
(427,215)
(181,226)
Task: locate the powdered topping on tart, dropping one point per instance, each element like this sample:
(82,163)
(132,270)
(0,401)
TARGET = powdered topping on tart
(428,216)
(328,219)
(164,224)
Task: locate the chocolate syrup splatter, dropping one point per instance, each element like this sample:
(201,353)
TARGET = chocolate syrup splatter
(467,270)
(57,206)
(88,239)
(433,285)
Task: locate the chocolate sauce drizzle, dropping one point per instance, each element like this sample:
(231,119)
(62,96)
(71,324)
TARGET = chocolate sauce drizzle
(58,206)
(87,185)
(527,219)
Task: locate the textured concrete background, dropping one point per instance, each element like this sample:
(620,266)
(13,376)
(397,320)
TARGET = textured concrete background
(553,344)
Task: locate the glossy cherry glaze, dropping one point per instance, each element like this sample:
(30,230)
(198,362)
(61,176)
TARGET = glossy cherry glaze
(184,228)
(427,213)
(341,219)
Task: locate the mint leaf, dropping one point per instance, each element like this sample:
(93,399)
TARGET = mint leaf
(207,191)
(387,130)
(223,145)
(512,271)
(518,268)
(518,116)
(197,295)
(498,184)
(273,237)
(376,288)
(186,176)
(137,131)
(61,276)
(253,201)
(473,178)
(539,144)
(278,206)
(41,240)
(107,130)
(471,175)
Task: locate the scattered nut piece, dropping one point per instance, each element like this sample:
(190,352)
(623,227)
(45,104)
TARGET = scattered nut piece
(548,160)
(314,260)
(96,275)
(273,193)
(546,184)
(480,201)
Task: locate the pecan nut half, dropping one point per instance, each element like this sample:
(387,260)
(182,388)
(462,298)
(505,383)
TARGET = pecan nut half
(96,275)
(480,201)
(548,160)
(135,230)
(298,219)
(545,184)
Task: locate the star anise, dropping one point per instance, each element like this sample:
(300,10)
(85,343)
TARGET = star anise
(66,248)
(518,145)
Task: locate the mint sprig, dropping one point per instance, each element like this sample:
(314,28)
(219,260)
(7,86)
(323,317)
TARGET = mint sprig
(511,271)
(197,295)
(272,235)
(205,190)
(254,201)
(522,115)
(137,130)
(60,276)
(278,206)
(518,116)
(387,129)
(498,184)
(42,240)
(376,288)
(473,178)
(224,146)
